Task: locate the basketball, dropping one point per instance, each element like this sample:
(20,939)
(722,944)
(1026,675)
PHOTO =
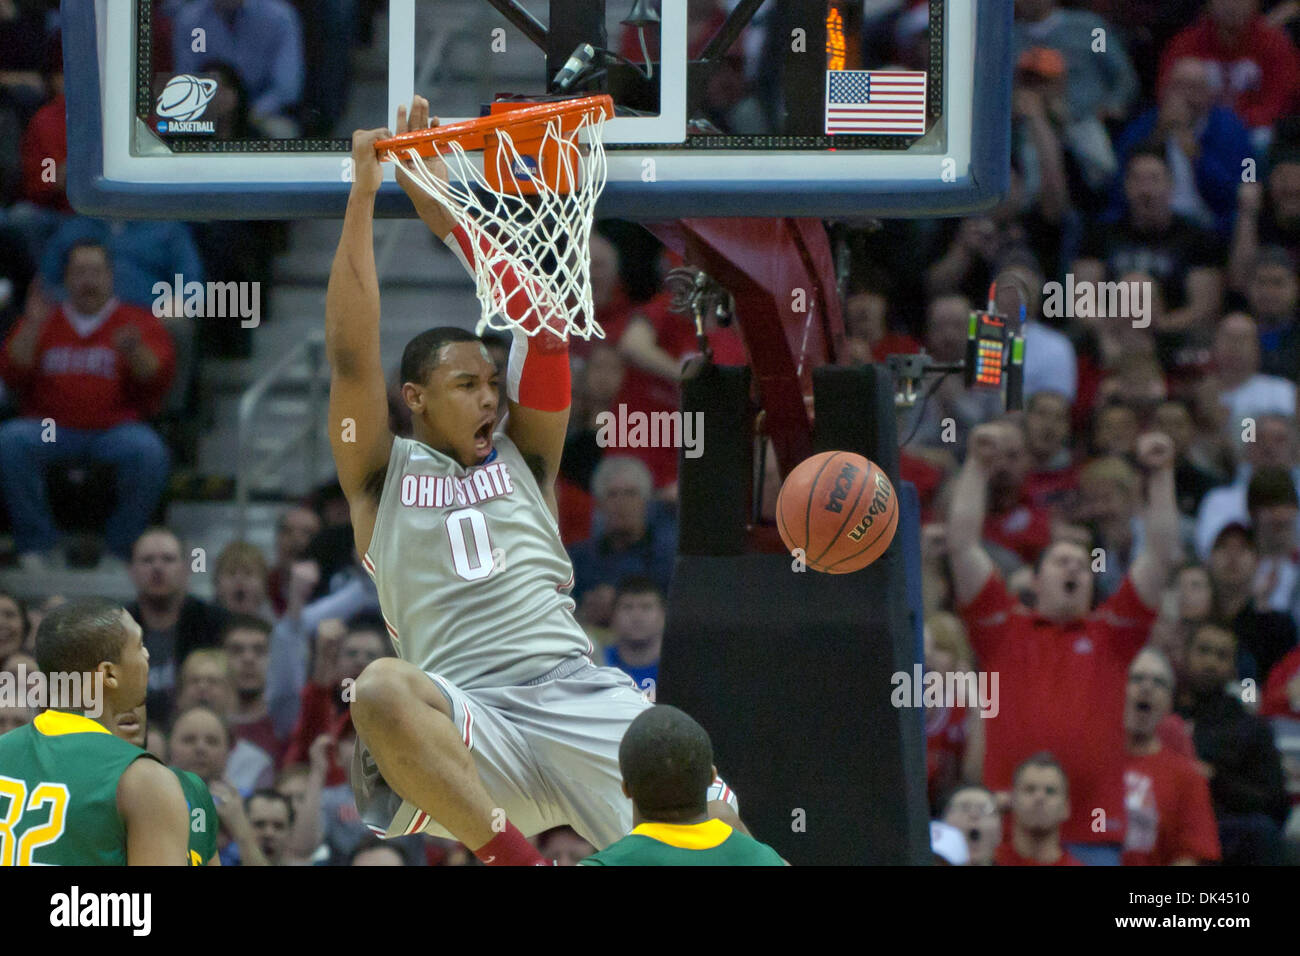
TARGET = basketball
(186,97)
(839,509)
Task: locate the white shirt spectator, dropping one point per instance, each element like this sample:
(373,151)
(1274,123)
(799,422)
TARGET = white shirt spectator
(1258,395)
(1227,504)
(1050,363)
(249,767)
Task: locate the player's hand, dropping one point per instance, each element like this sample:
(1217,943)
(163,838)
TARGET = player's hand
(430,211)
(416,118)
(1155,451)
(367,170)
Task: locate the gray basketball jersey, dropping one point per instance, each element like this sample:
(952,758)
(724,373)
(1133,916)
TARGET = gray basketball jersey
(472,577)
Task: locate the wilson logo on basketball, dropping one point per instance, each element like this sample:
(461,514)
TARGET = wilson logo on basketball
(840,493)
(879,506)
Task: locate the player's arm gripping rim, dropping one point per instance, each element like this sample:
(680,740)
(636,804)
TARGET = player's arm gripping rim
(157,819)
(539,395)
(357,387)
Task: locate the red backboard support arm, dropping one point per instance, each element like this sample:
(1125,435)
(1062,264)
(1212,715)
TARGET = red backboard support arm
(782,275)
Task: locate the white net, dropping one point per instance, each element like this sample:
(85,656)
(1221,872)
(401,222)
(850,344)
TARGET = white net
(533,262)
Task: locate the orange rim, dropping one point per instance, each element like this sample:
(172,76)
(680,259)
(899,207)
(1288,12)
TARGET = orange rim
(472,134)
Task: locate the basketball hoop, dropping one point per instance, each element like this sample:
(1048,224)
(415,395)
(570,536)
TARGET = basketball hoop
(528,213)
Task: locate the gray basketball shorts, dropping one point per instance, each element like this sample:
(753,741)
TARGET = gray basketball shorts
(547,752)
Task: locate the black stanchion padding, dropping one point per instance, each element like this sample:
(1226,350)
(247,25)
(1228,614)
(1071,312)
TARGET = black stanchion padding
(714,488)
(790,672)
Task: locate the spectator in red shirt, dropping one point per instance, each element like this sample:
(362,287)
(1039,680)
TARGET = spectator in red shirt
(1109,493)
(954,736)
(867,333)
(596,382)
(247,643)
(1255,67)
(341,655)
(1012,521)
(654,345)
(1053,479)
(1040,803)
(1282,689)
(90,373)
(293,534)
(1169,818)
(45,139)
(1062,668)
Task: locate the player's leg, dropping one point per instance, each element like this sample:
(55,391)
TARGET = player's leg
(574,726)
(406,723)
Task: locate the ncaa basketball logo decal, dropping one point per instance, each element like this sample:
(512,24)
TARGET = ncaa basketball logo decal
(183,101)
(838,510)
(525,168)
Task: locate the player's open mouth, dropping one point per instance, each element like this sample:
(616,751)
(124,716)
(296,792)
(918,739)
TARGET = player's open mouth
(483,438)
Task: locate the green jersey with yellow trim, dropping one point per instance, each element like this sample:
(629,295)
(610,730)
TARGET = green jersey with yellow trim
(711,843)
(203,817)
(58,793)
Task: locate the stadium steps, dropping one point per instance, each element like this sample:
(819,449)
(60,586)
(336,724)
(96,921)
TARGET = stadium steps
(299,313)
(200,524)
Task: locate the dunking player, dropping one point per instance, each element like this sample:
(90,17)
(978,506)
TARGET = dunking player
(493,723)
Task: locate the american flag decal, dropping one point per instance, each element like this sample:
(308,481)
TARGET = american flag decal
(875,102)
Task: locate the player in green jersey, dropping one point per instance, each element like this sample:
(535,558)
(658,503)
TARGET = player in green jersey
(666,759)
(133,727)
(71,793)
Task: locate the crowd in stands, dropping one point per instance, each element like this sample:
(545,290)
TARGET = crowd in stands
(131,353)
(1124,552)
(1146,718)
